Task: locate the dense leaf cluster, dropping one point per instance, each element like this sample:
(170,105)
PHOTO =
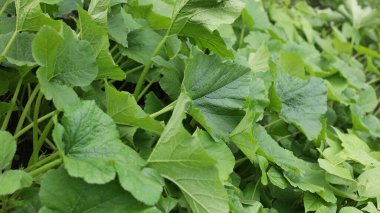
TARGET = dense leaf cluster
(205,106)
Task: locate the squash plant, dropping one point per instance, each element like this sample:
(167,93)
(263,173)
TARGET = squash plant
(189,106)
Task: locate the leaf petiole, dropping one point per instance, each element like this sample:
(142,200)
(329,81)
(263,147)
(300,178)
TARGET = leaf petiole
(43,118)
(46,160)
(5,6)
(13,103)
(46,167)
(8,47)
(164,110)
(149,64)
(27,108)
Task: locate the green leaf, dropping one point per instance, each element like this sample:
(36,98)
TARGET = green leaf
(145,184)
(141,45)
(292,63)
(156,12)
(181,159)
(97,35)
(303,103)
(219,152)
(172,71)
(88,154)
(312,202)
(356,149)
(7,149)
(20,53)
(124,110)
(302,174)
(276,178)
(354,75)
(67,60)
(93,151)
(31,18)
(50,1)
(218,91)
(205,39)
(365,122)
(349,209)
(60,192)
(13,180)
(335,169)
(368,183)
(209,14)
(360,17)
(243,138)
(62,95)
(120,24)
(254,15)
(259,61)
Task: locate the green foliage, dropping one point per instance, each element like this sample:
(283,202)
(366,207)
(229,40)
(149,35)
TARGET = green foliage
(205,106)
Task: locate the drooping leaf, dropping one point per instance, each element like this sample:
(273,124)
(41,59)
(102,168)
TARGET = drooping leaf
(60,192)
(180,158)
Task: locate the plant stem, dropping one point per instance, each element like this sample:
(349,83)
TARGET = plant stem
(42,162)
(5,6)
(36,149)
(13,103)
(113,49)
(374,80)
(27,128)
(46,167)
(37,146)
(134,70)
(27,108)
(147,87)
(146,69)
(8,47)
(164,110)
(272,123)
